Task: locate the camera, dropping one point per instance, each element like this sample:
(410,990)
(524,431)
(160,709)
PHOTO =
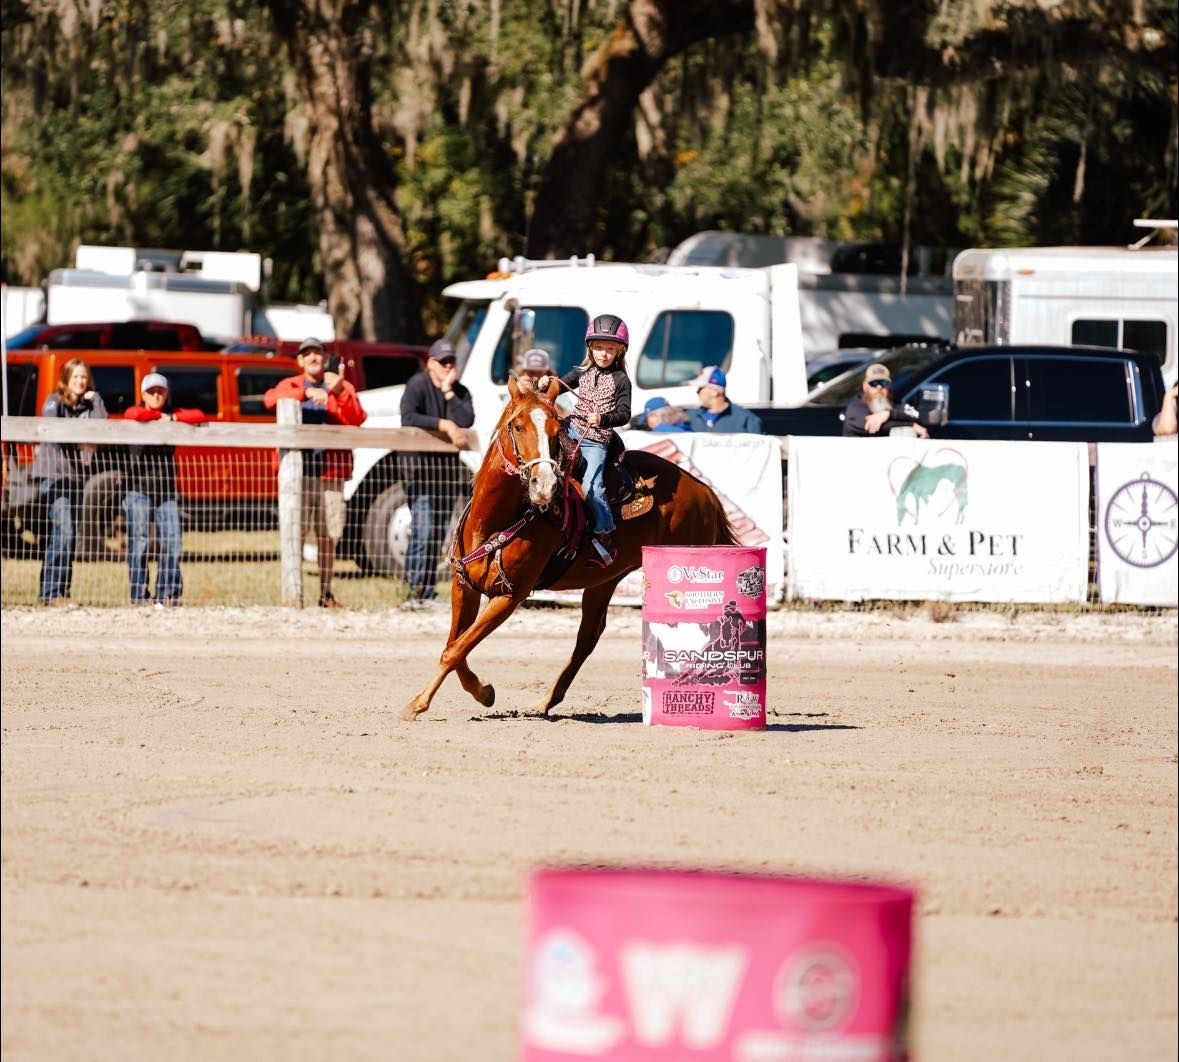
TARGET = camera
(332,364)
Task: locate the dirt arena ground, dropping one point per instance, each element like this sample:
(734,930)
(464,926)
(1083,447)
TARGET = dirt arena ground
(219,841)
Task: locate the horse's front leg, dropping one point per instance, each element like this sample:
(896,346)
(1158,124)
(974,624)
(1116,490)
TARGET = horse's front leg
(497,610)
(594,603)
(464,608)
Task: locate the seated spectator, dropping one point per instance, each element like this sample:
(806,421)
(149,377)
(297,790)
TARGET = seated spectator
(716,413)
(874,413)
(660,415)
(150,484)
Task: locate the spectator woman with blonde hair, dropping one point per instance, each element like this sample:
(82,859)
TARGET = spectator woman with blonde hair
(61,471)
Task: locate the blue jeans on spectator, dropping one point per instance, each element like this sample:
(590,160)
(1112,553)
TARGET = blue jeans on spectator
(63,499)
(594,482)
(138,508)
(421,555)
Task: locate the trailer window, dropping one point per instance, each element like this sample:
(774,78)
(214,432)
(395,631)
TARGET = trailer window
(116,384)
(74,339)
(681,343)
(193,388)
(1146,337)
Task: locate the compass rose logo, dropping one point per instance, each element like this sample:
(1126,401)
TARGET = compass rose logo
(1142,522)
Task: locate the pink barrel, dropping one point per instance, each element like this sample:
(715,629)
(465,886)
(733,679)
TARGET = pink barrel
(704,637)
(626,964)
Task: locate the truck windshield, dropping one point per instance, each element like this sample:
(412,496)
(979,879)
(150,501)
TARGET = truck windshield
(558,330)
(905,364)
(463,328)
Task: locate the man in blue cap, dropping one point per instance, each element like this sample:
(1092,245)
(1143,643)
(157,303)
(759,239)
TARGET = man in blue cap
(660,415)
(716,413)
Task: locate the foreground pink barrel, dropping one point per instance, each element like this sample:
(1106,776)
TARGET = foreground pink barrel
(692,966)
(704,636)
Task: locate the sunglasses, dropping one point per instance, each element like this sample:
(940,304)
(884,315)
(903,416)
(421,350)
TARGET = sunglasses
(879,383)
(446,361)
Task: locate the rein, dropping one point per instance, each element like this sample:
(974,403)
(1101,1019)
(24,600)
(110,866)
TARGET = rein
(494,544)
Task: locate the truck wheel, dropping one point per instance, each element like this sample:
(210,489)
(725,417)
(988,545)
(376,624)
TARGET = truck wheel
(386,532)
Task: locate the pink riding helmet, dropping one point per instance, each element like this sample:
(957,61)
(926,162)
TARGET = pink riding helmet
(607,326)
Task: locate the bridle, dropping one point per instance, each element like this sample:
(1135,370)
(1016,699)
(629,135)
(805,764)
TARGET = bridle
(520,468)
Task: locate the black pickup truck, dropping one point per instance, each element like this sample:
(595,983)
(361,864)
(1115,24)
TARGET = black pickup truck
(1069,394)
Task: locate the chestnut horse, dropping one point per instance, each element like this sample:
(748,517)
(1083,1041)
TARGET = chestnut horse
(516,492)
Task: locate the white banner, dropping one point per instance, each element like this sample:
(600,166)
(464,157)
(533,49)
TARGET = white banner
(746,473)
(1138,523)
(913,519)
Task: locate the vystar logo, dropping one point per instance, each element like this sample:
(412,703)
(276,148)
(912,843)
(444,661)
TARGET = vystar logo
(692,573)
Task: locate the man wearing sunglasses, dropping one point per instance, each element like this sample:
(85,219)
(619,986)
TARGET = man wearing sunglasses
(874,413)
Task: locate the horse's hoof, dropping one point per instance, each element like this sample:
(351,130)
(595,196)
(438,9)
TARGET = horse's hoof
(540,710)
(411,711)
(487,696)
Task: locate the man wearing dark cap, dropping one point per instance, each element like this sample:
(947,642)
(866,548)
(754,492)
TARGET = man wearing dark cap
(660,415)
(716,413)
(436,401)
(874,414)
(326,398)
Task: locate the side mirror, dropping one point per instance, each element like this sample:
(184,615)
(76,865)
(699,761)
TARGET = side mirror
(933,405)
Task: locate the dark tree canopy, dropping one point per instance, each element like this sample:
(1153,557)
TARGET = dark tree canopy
(378,150)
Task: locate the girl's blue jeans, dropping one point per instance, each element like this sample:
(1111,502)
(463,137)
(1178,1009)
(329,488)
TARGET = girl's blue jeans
(594,482)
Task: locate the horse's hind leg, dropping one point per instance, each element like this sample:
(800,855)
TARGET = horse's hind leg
(464,609)
(594,603)
(497,610)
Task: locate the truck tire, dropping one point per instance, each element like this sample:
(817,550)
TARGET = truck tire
(385,538)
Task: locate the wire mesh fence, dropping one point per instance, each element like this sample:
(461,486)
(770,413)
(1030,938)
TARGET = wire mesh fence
(167,514)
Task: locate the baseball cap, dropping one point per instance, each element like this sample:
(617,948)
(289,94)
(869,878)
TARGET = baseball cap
(876,371)
(711,376)
(153,379)
(311,343)
(442,350)
(658,402)
(537,360)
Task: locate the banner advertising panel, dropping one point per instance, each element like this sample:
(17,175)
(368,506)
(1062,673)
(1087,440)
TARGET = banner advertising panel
(951,520)
(1138,523)
(746,473)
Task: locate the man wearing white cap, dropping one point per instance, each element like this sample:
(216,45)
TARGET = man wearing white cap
(149,484)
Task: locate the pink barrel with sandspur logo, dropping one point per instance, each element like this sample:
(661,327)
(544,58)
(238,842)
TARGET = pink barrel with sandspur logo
(632,964)
(704,637)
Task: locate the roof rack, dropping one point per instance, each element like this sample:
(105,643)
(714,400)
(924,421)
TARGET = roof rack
(520,264)
(1156,225)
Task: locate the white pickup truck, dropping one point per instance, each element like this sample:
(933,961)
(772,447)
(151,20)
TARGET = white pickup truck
(680,318)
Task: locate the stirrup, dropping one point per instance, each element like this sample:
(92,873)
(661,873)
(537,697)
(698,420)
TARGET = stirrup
(606,555)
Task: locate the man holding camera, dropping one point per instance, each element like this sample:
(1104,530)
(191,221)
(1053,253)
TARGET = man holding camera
(326,398)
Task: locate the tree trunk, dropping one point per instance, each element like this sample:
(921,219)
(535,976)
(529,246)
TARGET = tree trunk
(564,218)
(361,237)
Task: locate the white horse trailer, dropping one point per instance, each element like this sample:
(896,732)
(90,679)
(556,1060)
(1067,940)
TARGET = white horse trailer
(1125,297)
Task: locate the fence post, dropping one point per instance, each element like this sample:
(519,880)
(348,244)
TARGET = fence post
(290,509)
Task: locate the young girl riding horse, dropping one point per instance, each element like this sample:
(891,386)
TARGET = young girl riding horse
(603,391)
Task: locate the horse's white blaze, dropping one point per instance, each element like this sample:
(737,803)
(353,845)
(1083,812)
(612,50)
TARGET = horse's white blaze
(544,480)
